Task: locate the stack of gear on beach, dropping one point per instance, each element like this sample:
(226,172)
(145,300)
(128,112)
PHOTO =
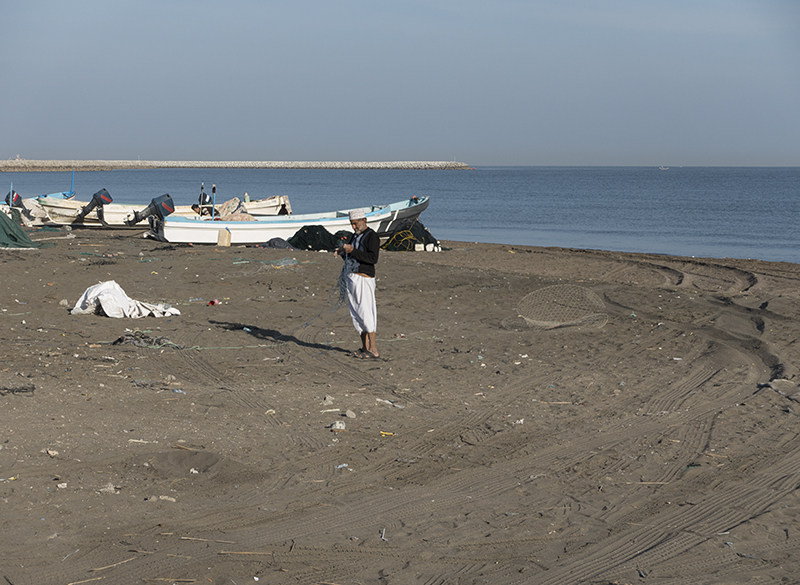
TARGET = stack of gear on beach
(408,235)
(316,237)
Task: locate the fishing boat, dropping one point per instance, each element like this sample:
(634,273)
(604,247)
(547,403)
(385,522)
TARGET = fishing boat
(31,212)
(384,219)
(105,213)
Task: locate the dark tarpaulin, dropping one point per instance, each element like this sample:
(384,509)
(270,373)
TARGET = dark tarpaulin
(12,236)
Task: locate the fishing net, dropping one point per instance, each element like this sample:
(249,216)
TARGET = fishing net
(141,339)
(338,294)
(316,237)
(231,206)
(562,305)
(250,267)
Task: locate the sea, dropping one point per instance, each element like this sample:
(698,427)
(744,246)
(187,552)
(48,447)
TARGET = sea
(716,212)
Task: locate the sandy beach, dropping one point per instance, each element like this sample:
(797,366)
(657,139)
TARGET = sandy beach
(657,443)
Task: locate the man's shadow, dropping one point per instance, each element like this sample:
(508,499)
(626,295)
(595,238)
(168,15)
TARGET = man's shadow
(274,336)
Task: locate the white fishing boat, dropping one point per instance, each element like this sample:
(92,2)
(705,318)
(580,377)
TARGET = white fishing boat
(276,205)
(384,219)
(117,215)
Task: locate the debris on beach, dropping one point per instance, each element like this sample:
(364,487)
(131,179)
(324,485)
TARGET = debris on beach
(26,389)
(108,298)
(109,488)
(389,402)
(141,339)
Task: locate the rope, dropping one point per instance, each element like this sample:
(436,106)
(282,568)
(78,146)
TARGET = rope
(402,240)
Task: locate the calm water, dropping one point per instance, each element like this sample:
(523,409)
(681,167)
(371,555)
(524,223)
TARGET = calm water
(691,211)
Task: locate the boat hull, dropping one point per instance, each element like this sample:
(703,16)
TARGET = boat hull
(383,219)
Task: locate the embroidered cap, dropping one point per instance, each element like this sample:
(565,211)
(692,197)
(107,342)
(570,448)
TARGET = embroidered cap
(358,214)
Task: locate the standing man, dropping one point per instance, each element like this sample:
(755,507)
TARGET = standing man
(363,249)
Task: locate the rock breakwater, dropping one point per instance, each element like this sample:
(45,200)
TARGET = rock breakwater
(22,165)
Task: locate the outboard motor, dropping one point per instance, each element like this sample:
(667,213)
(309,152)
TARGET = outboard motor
(99,199)
(159,208)
(13,199)
(205,198)
(206,202)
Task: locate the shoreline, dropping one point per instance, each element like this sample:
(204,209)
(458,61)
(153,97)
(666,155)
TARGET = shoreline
(22,165)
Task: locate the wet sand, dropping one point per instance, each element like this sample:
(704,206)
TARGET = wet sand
(659,447)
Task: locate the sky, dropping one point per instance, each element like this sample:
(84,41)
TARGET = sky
(500,82)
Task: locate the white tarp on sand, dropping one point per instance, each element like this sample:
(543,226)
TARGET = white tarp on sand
(113,301)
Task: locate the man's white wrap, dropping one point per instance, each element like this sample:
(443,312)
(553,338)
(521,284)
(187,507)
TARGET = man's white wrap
(361,300)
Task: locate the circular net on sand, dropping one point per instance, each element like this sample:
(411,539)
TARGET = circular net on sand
(561,305)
